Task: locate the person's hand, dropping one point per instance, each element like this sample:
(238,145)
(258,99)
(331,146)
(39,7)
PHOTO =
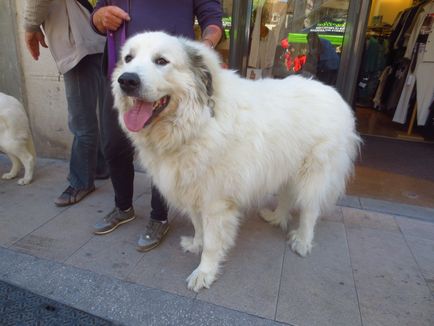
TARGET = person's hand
(109,18)
(33,39)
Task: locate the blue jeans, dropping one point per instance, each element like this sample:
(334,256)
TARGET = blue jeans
(85,92)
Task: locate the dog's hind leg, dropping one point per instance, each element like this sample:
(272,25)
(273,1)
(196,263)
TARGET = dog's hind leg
(281,215)
(318,185)
(194,244)
(14,169)
(301,239)
(28,161)
(220,225)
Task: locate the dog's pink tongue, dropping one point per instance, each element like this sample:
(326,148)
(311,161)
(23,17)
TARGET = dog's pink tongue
(136,117)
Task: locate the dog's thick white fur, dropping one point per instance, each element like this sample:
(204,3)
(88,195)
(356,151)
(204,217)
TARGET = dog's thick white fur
(16,139)
(222,142)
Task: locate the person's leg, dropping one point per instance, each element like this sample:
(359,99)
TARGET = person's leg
(159,207)
(119,154)
(102,171)
(158,225)
(81,87)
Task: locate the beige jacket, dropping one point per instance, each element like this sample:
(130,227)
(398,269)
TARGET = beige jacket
(66,25)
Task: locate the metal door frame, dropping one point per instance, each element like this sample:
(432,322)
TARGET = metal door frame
(354,40)
(240,35)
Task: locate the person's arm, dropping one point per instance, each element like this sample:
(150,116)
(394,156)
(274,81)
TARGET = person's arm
(35,13)
(107,18)
(209,14)
(212,35)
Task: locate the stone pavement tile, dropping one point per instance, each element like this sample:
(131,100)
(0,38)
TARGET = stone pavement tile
(334,215)
(250,277)
(415,228)
(115,253)
(389,284)
(423,252)
(114,299)
(167,266)
(25,208)
(105,256)
(211,315)
(110,298)
(349,201)
(430,284)
(40,172)
(422,213)
(66,233)
(319,289)
(356,218)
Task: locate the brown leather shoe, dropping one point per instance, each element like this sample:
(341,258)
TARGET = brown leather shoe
(71,196)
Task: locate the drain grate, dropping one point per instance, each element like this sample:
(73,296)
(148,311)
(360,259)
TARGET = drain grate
(22,307)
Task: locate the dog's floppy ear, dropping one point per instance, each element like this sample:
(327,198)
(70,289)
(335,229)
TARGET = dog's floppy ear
(202,73)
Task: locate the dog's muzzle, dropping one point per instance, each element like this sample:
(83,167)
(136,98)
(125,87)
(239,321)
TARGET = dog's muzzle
(129,83)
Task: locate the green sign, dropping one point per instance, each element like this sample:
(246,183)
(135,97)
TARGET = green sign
(302,38)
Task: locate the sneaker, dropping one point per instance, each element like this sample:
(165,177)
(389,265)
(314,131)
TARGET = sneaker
(112,220)
(154,234)
(71,196)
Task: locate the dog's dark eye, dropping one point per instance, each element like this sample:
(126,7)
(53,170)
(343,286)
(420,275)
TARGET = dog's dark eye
(161,61)
(128,58)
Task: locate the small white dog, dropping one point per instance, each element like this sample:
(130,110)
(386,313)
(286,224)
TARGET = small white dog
(215,143)
(16,139)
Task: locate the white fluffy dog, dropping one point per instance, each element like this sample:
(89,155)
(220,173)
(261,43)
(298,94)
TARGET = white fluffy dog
(16,139)
(215,143)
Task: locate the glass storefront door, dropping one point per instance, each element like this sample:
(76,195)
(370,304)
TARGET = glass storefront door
(277,38)
(297,37)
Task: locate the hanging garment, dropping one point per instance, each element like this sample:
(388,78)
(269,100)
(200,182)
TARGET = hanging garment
(382,82)
(395,83)
(424,90)
(402,108)
(416,26)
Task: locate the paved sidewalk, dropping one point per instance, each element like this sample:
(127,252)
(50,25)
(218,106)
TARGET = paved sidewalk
(373,263)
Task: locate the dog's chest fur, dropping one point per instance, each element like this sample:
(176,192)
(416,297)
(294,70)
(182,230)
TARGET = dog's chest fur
(181,177)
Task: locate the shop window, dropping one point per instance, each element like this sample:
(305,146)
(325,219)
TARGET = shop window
(297,37)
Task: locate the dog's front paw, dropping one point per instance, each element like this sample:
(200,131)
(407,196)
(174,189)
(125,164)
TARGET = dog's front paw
(199,279)
(189,244)
(24,181)
(8,176)
(299,244)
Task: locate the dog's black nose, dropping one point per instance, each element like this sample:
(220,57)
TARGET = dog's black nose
(129,82)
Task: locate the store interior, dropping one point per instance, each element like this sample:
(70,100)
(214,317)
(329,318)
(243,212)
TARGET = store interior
(393,104)
(394,89)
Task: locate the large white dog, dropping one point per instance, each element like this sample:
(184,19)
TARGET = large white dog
(215,143)
(16,139)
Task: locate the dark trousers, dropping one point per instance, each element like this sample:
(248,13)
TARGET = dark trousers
(119,155)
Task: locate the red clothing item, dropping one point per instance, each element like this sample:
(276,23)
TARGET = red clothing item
(299,61)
